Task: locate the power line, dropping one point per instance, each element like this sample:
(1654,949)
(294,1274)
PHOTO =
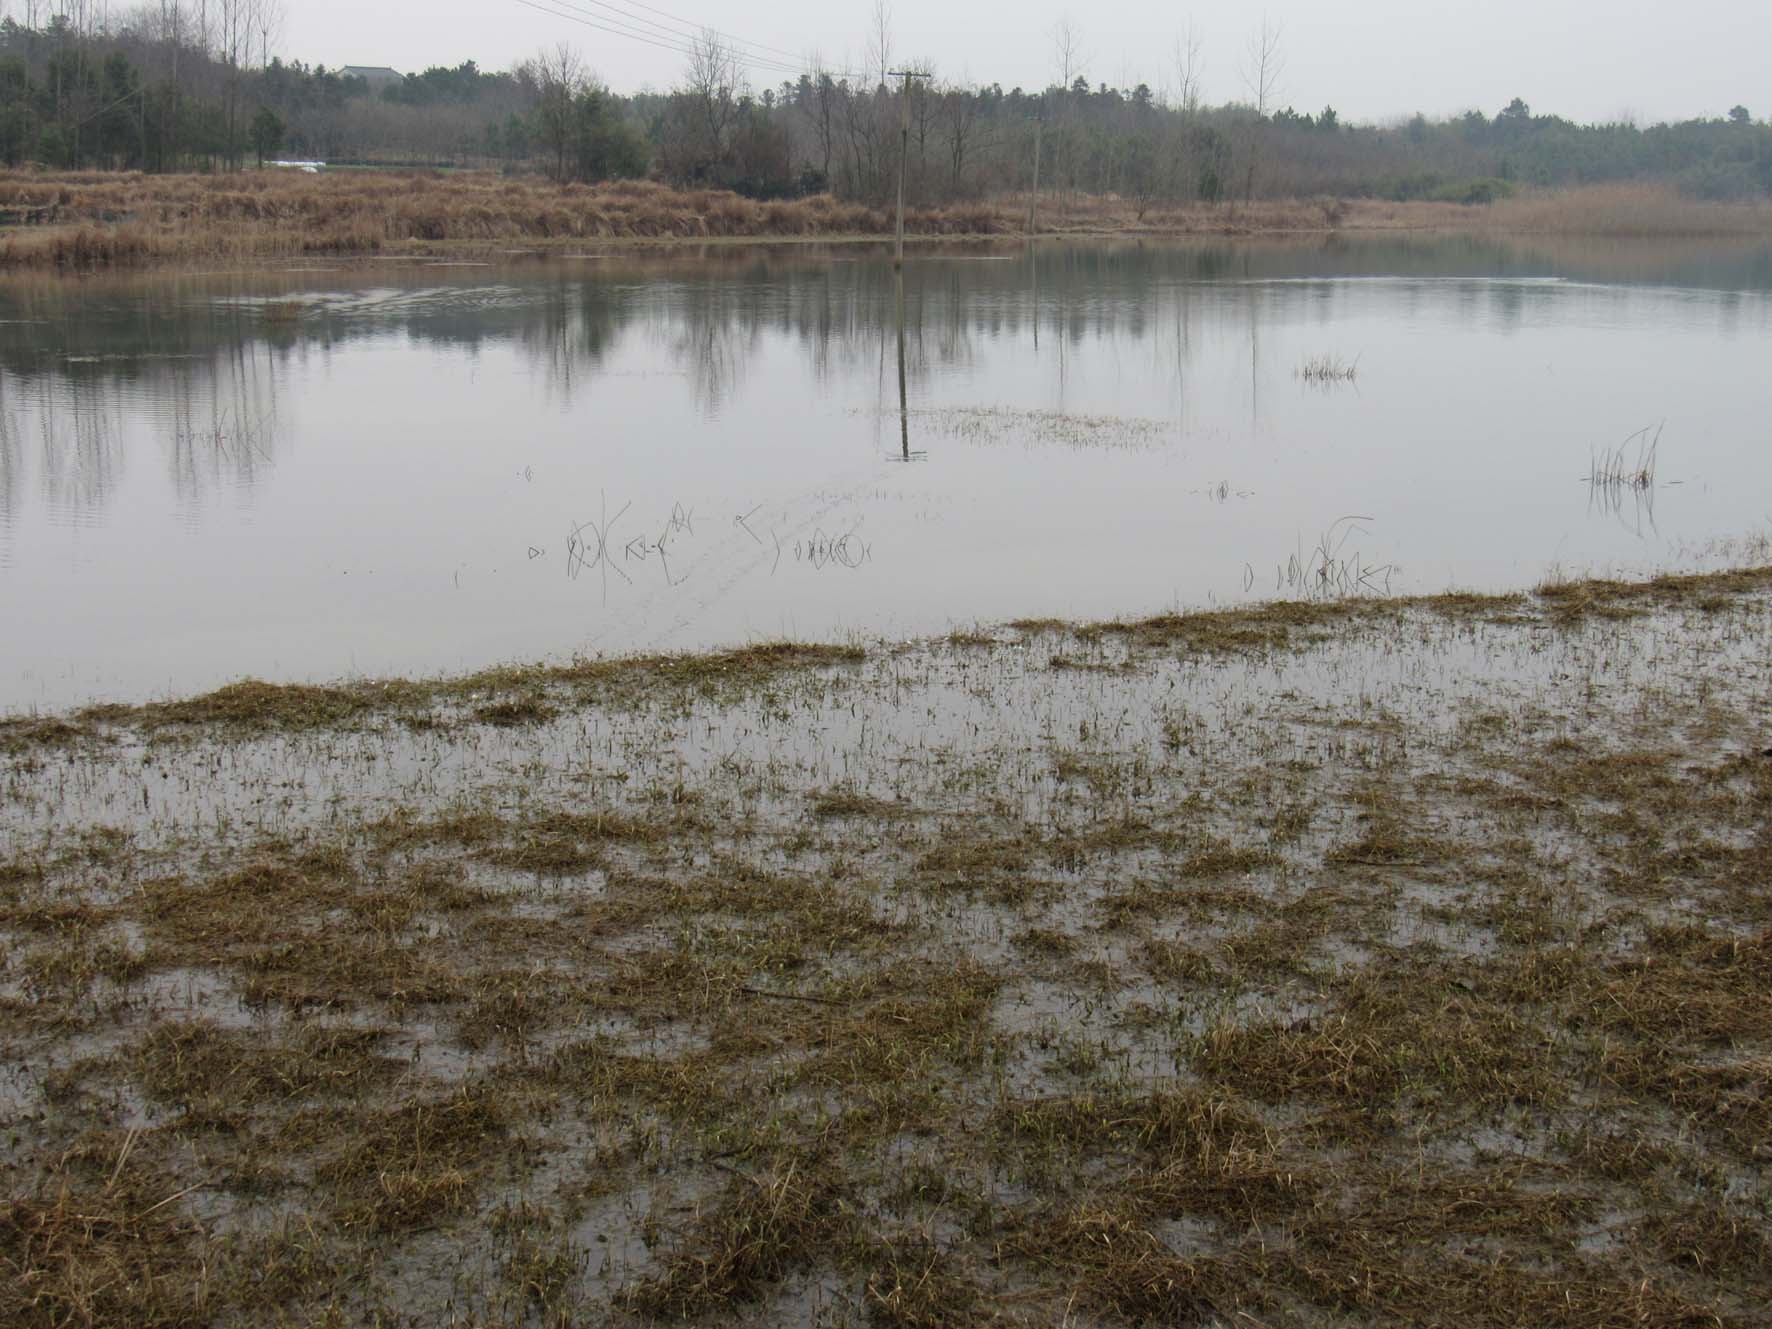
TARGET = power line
(697,29)
(580,19)
(665,38)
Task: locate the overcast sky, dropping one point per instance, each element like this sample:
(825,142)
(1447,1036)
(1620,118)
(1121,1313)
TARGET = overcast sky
(1370,59)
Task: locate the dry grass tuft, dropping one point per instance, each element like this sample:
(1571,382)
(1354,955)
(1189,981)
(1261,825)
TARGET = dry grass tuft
(912,1286)
(101,1242)
(763,1227)
(401,1168)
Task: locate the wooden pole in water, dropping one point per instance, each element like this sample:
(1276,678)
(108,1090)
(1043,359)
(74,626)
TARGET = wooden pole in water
(1035,191)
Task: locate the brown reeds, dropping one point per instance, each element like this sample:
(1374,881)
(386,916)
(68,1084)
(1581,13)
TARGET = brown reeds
(85,221)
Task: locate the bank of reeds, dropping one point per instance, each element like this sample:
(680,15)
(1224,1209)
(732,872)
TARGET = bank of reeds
(82,221)
(1623,210)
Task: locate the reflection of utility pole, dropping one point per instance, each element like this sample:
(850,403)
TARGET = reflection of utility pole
(904,415)
(904,149)
(1254,349)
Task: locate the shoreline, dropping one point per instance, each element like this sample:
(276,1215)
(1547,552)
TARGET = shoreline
(250,704)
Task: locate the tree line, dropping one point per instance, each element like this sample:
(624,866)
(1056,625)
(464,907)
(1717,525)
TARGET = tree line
(179,85)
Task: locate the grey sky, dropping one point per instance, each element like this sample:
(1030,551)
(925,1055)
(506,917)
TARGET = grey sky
(1371,59)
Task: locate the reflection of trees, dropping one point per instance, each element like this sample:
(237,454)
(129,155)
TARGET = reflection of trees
(712,330)
(219,429)
(12,463)
(80,453)
(571,330)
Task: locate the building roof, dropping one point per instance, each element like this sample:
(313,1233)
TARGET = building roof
(374,73)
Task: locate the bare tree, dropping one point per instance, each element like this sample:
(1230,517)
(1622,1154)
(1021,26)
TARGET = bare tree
(959,115)
(1174,175)
(925,106)
(820,109)
(879,53)
(267,26)
(1188,69)
(559,77)
(1068,56)
(714,85)
(234,32)
(1263,65)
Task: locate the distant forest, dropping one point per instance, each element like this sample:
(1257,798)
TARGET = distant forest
(182,85)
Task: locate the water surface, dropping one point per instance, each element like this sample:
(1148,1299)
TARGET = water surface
(430,467)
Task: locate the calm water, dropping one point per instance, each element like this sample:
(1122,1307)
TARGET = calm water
(435,467)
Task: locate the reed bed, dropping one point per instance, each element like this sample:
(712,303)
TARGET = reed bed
(1623,210)
(1614,210)
(87,220)
(81,221)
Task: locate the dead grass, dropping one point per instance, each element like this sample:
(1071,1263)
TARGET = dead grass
(100,1241)
(94,220)
(765,1225)
(1638,209)
(393,1170)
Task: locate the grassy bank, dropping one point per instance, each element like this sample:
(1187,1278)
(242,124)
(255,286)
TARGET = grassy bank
(1379,961)
(87,221)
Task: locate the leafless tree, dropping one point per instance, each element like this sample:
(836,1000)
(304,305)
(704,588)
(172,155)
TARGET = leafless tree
(559,76)
(267,25)
(879,53)
(1173,175)
(959,116)
(1188,70)
(925,106)
(1263,65)
(234,33)
(714,84)
(820,110)
(1069,58)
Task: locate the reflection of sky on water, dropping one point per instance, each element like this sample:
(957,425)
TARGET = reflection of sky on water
(196,485)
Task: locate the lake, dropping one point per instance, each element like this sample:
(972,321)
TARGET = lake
(422,467)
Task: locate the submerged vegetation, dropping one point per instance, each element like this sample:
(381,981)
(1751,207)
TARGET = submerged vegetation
(1630,465)
(1328,369)
(1339,959)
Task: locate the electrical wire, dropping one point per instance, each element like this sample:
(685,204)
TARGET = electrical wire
(667,39)
(773,54)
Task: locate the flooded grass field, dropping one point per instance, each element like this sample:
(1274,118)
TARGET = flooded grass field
(1371,961)
(369,471)
(400,926)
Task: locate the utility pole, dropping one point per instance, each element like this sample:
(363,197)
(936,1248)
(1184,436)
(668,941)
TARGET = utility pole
(1035,191)
(904,149)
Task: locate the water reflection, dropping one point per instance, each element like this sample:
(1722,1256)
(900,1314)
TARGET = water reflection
(11,476)
(80,446)
(1106,427)
(904,416)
